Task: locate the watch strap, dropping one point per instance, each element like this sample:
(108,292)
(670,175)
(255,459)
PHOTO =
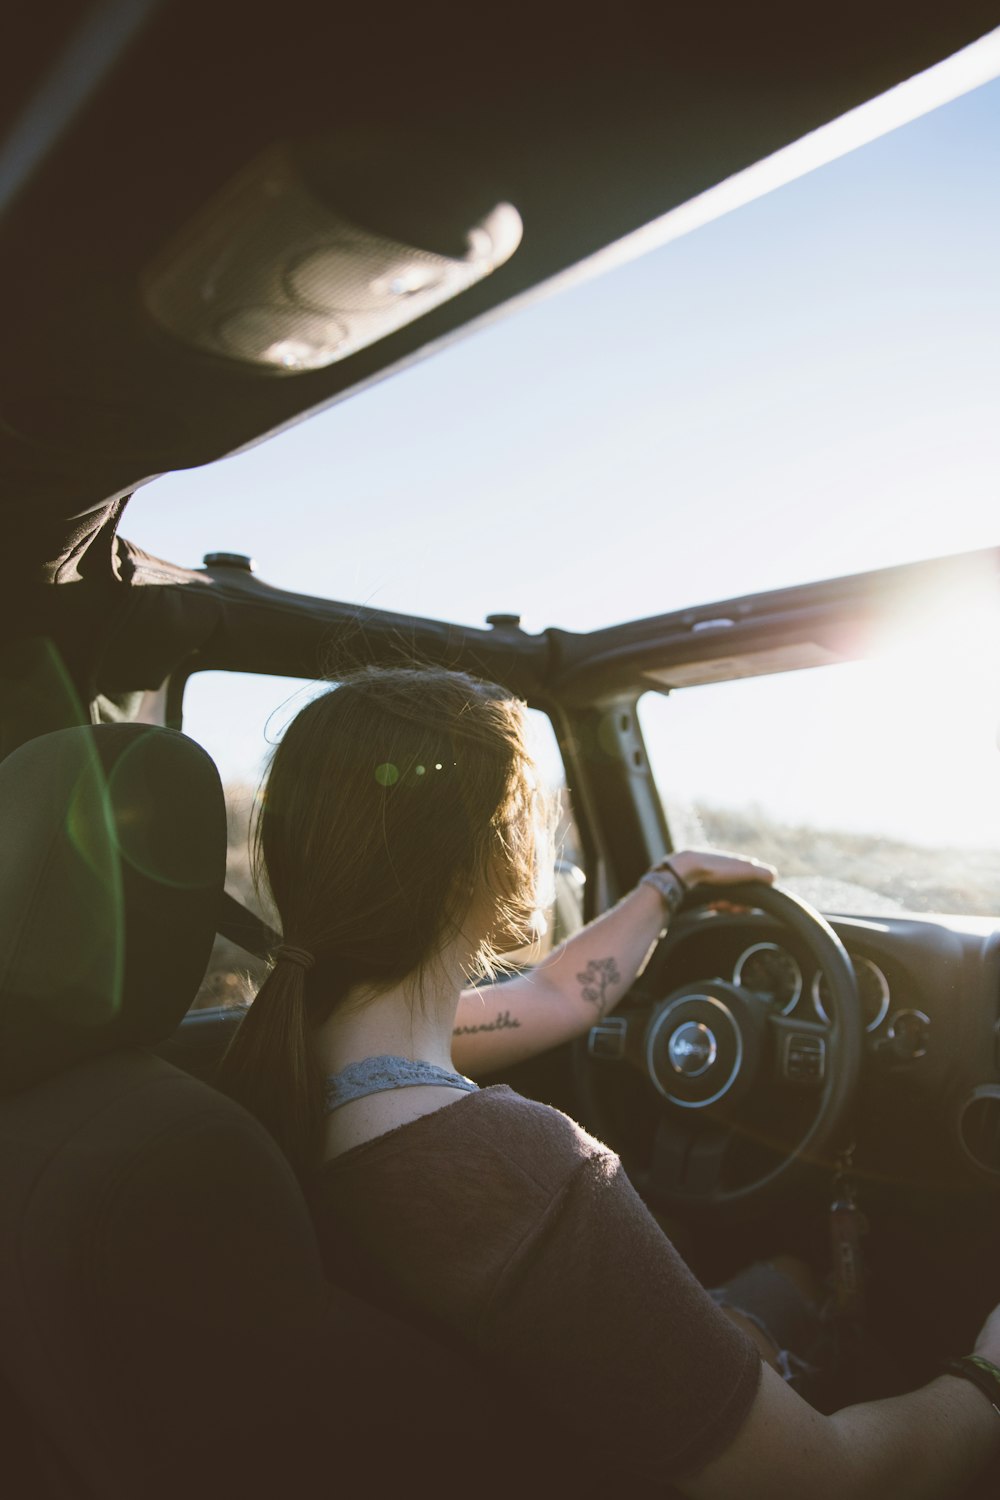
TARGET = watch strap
(669,886)
(665,864)
(981,1372)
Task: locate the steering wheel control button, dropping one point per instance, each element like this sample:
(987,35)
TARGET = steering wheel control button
(804,1059)
(607,1039)
(692,1049)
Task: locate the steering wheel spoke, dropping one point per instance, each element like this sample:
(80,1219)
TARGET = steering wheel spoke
(687,1162)
(617,1036)
(800,1050)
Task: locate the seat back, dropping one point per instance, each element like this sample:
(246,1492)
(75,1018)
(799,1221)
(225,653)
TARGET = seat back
(165,1324)
(166,1321)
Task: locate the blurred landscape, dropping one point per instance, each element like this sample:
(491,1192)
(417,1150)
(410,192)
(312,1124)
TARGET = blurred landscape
(863,874)
(860,874)
(234,976)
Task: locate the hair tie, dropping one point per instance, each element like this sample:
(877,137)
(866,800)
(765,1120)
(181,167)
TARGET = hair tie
(301,957)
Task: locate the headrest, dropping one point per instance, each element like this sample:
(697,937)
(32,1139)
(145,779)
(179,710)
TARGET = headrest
(112,864)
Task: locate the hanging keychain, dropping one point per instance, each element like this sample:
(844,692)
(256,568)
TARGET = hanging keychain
(847,1226)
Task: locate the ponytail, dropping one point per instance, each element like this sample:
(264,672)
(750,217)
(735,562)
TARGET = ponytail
(270,1066)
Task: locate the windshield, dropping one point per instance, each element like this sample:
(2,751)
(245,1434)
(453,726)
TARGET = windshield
(873,786)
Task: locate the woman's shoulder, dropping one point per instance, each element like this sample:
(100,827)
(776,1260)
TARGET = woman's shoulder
(512,1119)
(492,1131)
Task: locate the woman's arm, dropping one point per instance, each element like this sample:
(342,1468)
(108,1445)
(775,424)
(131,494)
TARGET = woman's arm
(927,1445)
(583,978)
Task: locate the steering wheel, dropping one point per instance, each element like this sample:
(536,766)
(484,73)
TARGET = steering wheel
(703,1048)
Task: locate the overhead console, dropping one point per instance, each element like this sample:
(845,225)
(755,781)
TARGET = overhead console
(317,249)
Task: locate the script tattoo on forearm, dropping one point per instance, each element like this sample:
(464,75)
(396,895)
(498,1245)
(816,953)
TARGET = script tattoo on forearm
(596,977)
(504,1022)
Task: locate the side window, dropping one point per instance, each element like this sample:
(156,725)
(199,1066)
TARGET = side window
(563,913)
(239,719)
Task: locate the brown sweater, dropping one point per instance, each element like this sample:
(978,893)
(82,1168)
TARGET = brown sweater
(499,1221)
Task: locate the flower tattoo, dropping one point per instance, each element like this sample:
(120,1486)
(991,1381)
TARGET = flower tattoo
(596,977)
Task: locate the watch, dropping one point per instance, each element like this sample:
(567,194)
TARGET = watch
(981,1372)
(665,880)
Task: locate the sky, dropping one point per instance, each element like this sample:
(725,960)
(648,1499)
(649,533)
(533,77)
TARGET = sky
(806,387)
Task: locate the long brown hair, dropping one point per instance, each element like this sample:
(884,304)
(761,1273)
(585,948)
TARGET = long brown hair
(393,802)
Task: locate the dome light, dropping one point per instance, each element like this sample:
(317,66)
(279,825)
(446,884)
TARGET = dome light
(268,275)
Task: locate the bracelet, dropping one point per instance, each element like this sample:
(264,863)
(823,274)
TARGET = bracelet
(981,1372)
(668,884)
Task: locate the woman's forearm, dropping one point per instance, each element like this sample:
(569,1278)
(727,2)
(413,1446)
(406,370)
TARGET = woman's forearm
(573,987)
(926,1445)
(931,1442)
(586,976)
(593,969)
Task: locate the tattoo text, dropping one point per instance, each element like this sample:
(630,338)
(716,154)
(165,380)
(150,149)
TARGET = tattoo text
(504,1022)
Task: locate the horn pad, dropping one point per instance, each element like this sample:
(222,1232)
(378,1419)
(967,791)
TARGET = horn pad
(703,1045)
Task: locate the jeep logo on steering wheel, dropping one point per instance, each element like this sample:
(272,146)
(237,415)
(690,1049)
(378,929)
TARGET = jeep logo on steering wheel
(692,1049)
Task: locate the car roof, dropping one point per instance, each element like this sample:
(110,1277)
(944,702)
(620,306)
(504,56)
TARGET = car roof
(590,127)
(121,119)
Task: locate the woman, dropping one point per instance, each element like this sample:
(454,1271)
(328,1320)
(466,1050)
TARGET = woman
(401,840)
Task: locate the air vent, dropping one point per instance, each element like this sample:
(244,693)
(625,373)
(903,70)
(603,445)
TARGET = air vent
(979,1127)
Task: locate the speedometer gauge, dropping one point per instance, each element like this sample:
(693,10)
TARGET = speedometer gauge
(873,989)
(771,971)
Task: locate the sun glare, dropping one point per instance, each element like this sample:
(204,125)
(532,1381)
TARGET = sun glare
(886,766)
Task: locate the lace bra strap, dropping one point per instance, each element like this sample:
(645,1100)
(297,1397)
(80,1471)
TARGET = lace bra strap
(374,1075)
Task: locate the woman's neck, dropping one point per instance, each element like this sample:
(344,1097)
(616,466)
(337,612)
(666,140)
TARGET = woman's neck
(413,1019)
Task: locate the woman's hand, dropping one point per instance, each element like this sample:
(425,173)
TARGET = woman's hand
(706,867)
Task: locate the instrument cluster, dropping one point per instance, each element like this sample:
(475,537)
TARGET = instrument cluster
(770,970)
